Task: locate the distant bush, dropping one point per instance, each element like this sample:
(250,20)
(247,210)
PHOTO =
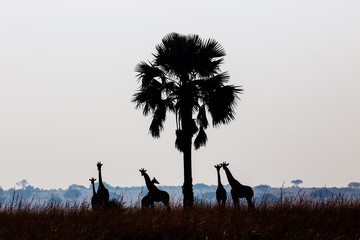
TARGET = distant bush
(200,186)
(354,185)
(211,196)
(267,197)
(322,193)
(55,199)
(76,186)
(262,187)
(72,193)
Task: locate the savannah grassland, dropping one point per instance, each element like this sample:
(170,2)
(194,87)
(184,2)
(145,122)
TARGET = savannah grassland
(292,218)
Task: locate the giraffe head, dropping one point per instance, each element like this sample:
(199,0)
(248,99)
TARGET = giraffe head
(224,164)
(99,165)
(143,171)
(92,180)
(155,181)
(218,166)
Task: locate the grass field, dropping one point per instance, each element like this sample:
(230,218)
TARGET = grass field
(292,218)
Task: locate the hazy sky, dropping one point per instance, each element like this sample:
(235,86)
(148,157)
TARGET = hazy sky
(67,78)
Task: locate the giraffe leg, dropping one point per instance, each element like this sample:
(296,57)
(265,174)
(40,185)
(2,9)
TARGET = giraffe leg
(250,202)
(236,203)
(223,204)
(219,202)
(165,199)
(166,204)
(235,200)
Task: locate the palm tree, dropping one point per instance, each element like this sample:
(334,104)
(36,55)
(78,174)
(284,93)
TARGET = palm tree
(185,78)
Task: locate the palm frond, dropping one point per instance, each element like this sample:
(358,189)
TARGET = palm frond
(200,139)
(201,117)
(221,104)
(209,85)
(178,54)
(171,89)
(156,127)
(169,53)
(160,111)
(148,97)
(147,73)
(213,49)
(170,104)
(209,58)
(159,118)
(180,140)
(193,127)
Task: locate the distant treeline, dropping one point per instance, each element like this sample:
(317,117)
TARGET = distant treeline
(131,195)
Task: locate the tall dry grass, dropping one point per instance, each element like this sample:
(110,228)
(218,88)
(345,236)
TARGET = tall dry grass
(291,218)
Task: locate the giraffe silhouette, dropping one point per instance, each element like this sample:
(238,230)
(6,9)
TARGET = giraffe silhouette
(220,191)
(155,194)
(102,192)
(147,200)
(95,198)
(237,189)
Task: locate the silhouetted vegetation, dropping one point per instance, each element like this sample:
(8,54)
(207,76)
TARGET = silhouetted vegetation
(291,218)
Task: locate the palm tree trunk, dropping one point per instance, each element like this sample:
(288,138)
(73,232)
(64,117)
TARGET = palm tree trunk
(187,187)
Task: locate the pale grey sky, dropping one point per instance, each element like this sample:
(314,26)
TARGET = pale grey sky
(67,78)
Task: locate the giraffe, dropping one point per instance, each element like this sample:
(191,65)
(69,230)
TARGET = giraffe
(102,192)
(237,189)
(95,198)
(147,200)
(155,194)
(220,191)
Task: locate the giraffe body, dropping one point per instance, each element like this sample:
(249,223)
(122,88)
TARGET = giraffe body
(147,201)
(238,190)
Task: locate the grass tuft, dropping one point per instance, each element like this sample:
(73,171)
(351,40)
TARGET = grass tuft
(297,217)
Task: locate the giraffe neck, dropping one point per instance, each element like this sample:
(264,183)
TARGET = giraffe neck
(93,185)
(100,178)
(219,178)
(149,184)
(229,176)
